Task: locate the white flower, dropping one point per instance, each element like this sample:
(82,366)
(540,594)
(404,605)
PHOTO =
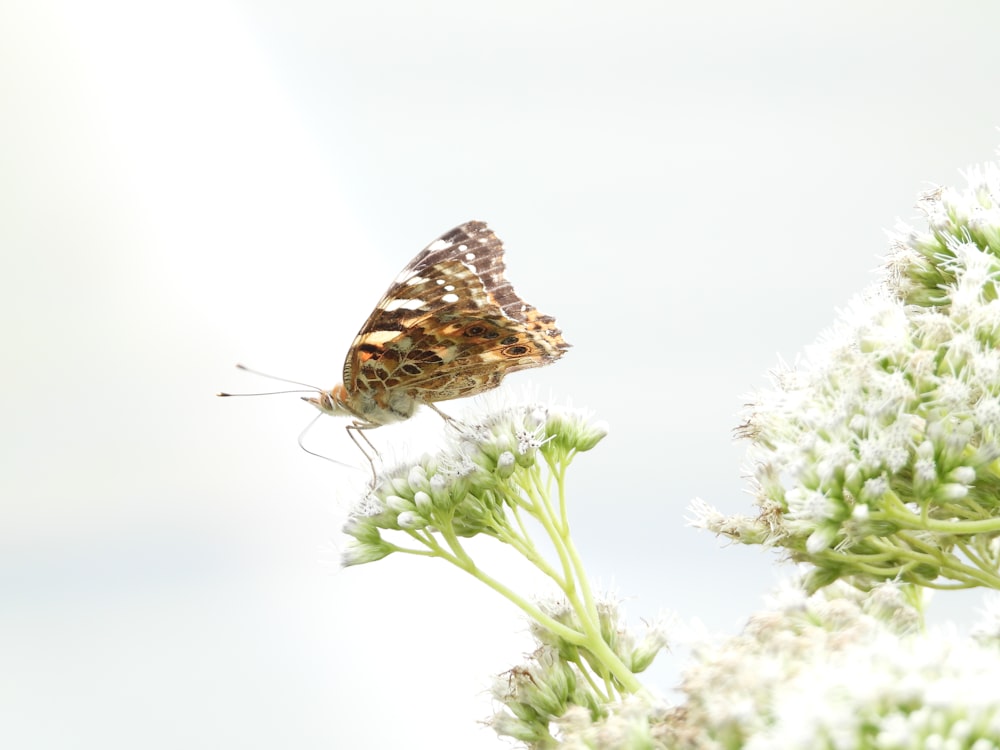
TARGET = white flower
(987,630)
(931,690)
(897,409)
(841,669)
(638,721)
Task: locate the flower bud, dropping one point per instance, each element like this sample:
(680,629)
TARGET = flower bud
(423,502)
(963,475)
(506,464)
(417,478)
(591,435)
(411,520)
(821,538)
(358,553)
(399,504)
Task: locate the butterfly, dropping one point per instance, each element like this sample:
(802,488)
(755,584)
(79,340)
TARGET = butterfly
(449,326)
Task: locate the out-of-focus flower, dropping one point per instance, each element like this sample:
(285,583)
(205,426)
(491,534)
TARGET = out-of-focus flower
(552,700)
(840,669)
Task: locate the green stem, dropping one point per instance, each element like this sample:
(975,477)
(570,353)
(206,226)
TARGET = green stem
(464,562)
(543,514)
(918,552)
(523,544)
(574,580)
(895,511)
(581,574)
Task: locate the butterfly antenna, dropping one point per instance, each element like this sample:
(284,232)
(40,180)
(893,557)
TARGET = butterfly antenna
(240,366)
(313,453)
(311,388)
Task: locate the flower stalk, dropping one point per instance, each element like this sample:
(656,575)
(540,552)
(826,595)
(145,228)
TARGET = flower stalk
(505,476)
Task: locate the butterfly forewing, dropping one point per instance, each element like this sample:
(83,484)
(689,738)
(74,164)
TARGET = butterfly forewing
(450,325)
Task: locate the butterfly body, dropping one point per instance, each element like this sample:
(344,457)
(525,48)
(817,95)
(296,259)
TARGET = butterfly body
(449,326)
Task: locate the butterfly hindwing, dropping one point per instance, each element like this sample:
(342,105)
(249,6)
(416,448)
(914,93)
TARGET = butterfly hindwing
(450,325)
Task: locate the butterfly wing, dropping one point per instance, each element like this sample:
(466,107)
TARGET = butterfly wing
(450,325)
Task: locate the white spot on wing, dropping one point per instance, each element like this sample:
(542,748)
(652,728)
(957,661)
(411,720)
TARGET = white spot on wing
(462,248)
(470,256)
(449,298)
(403,304)
(415,280)
(449,288)
(439,245)
(379,337)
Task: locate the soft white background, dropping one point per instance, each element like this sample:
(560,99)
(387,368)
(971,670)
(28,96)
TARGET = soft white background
(691,188)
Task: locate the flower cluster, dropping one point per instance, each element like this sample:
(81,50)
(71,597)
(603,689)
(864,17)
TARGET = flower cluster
(840,669)
(987,631)
(489,469)
(554,700)
(879,457)
(503,476)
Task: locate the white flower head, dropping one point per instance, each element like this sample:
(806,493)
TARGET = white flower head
(987,630)
(841,669)
(468,486)
(894,409)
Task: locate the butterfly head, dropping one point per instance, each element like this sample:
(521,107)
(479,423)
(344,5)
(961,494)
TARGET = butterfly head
(332,402)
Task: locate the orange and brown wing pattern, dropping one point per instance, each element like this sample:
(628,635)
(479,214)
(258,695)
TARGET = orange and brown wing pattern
(450,325)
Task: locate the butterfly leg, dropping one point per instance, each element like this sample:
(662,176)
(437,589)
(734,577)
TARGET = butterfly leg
(445,417)
(356,430)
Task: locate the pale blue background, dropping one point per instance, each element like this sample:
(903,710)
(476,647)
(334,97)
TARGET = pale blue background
(692,189)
